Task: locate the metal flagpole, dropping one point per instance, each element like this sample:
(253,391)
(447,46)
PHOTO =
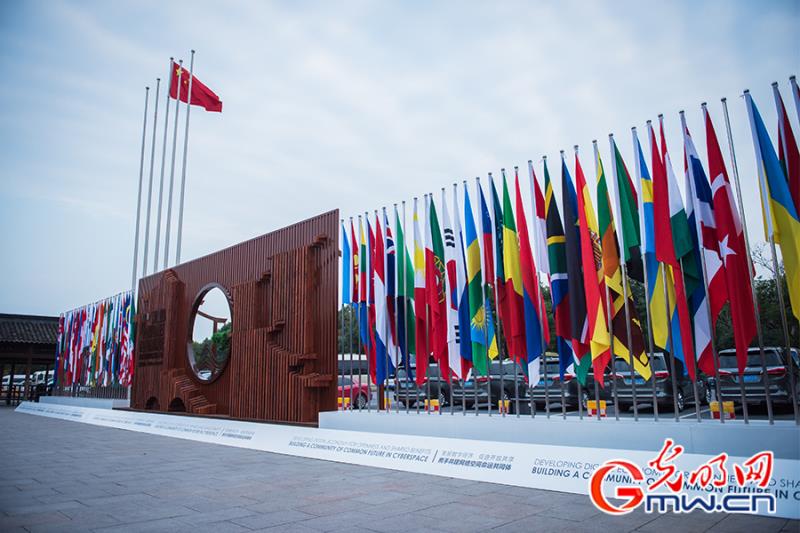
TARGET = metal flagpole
(472,370)
(500,348)
(139,200)
(185,151)
(340,362)
(609,314)
(399,353)
(405,306)
(369,333)
(796,93)
(172,164)
(459,250)
(784,323)
(386,332)
(163,161)
(596,384)
(496,317)
(543,316)
(150,186)
(428,340)
(575,360)
(351,313)
(362,345)
(487,312)
(648,315)
(756,311)
(553,306)
(703,265)
(517,364)
(624,272)
(418,357)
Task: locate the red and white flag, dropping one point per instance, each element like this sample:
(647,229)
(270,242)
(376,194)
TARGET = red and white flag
(732,247)
(787,149)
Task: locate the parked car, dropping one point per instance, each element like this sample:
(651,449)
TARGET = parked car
(660,367)
(753,376)
(550,388)
(500,382)
(407,392)
(18,382)
(359,393)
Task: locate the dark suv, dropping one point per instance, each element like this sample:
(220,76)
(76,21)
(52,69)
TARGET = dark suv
(408,391)
(753,376)
(550,388)
(660,364)
(501,383)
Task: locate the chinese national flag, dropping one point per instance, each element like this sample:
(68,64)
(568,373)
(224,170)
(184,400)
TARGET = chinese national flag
(201,95)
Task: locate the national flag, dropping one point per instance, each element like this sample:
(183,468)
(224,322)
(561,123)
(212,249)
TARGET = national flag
(382,334)
(487,232)
(787,149)
(579,325)
(420,303)
(363,297)
(559,285)
(201,95)
(464,315)
(540,245)
(672,242)
(628,208)
(531,298)
(390,281)
(501,297)
(354,274)
(612,270)
(477,309)
(705,305)
(593,279)
(514,328)
(405,293)
(456,343)
(783,223)
(730,235)
(659,324)
(372,317)
(436,286)
(347,273)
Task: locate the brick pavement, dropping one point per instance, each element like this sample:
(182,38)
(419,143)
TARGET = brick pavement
(64,476)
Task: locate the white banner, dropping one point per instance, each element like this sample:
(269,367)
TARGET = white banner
(560,468)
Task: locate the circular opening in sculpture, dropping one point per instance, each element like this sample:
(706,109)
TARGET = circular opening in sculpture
(210,346)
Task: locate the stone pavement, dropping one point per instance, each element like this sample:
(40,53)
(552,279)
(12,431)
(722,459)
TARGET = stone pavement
(64,476)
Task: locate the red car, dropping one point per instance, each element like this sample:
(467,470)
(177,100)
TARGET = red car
(359,393)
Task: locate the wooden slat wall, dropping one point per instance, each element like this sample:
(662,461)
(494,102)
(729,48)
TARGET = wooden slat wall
(282,366)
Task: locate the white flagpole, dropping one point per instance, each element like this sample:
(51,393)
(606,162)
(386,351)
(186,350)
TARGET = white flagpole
(163,161)
(139,200)
(150,186)
(172,164)
(796,95)
(185,150)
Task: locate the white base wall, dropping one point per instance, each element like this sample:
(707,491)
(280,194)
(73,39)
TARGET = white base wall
(96,403)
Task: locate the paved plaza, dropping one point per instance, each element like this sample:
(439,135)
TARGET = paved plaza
(64,476)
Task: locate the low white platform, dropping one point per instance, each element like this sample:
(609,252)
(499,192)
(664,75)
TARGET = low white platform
(96,403)
(708,437)
(543,466)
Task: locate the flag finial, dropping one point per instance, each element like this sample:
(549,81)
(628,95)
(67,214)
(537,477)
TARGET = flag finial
(775,84)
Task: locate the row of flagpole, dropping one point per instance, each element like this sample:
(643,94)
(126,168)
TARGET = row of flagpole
(767,201)
(169,201)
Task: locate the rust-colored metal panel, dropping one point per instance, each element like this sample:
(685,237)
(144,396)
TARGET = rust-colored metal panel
(282,363)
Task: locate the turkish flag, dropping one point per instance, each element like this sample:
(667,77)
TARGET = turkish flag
(201,95)
(730,235)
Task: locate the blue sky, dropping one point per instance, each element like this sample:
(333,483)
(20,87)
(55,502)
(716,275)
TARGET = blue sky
(354,105)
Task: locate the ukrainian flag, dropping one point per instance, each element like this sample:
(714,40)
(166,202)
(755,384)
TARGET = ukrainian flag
(781,219)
